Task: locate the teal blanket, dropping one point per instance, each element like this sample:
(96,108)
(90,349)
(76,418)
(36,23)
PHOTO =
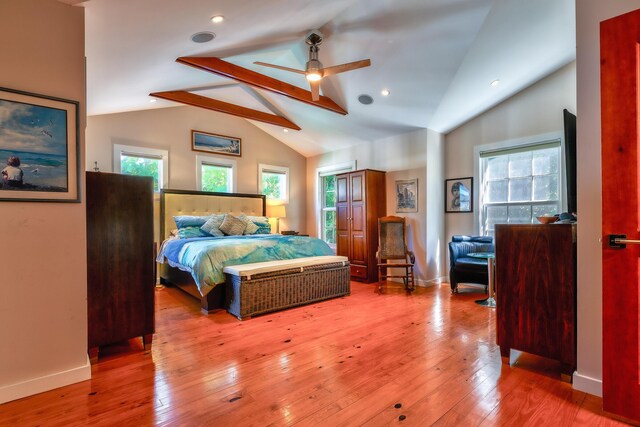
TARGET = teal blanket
(205,257)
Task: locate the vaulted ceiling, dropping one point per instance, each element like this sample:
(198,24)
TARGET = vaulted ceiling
(436,57)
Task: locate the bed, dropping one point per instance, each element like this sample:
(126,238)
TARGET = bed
(195,264)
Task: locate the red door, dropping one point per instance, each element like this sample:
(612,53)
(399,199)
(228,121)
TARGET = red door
(620,65)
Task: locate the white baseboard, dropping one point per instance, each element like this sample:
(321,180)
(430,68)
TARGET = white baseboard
(45,383)
(587,384)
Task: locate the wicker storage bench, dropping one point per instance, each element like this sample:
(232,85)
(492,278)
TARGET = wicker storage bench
(258,288)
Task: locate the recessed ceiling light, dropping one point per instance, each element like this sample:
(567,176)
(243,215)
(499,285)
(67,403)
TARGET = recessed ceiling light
(202,37)
(385,92)
(494,83)
(285,130)
(217,19)
(152,100)
(365,99)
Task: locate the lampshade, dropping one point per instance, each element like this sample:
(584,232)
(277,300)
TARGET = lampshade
(276,211)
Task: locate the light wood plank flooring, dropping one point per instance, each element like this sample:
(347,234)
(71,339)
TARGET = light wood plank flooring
(427,358)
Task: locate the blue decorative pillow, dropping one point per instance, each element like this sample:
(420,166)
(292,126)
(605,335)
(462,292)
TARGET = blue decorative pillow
(191,231)
(263,224)
(189,225)
(190,220)
(212,226)
(263,228)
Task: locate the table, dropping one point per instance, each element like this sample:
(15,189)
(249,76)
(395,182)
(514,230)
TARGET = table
(491,259)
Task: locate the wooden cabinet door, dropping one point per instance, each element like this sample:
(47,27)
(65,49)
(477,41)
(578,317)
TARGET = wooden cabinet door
(343,246)
(358,216)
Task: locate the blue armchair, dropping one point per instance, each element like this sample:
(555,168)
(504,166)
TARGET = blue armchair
(463,268)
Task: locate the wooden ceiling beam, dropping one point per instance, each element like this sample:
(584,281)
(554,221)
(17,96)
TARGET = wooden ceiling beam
(192,99)
(252,78)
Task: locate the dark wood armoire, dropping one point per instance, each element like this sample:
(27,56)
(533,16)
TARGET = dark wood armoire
(360,201)
(120,264)
(536,291)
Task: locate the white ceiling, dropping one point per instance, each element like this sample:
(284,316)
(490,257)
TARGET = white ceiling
(437,57)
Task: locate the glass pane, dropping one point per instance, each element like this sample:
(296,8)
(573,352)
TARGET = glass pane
(329,196)
(329,182)
(495,215)
(546,210)
(216,178)
(519,164)
(545,187)
(330,199)
(141,166)
(520,190)
(545,162)
(274,185)
(329,225)
(497,167)
(519,214)
(496,191)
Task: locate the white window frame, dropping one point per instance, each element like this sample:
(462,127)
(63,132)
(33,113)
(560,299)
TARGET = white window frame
(216,161)
(322,171)
(262,167)
(131,150)
(514,144)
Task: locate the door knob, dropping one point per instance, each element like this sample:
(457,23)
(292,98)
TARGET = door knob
(620,241)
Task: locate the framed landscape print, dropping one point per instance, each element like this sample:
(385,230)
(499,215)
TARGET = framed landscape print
(39,147)
(217,144)
(407,195)
(458,195)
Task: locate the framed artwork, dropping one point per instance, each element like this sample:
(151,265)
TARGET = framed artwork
(39,148)
(458,195)
(218,144)
(407,196)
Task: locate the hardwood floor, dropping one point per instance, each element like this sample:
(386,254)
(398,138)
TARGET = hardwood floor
(344,362)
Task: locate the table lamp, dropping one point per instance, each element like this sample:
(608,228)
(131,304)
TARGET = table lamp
(276,212)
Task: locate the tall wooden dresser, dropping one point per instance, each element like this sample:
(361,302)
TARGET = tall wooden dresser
(536,291)
(360,201)
(120,264)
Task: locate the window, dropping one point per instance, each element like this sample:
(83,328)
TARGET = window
(327,202)
(328,217)
(216,175)
(273,181)
(519,184)
(142,161)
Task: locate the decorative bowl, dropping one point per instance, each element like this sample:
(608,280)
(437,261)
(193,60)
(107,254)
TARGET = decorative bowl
(547,219)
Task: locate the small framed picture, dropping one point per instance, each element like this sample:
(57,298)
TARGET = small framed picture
(39,150)
(458,195)
(407,196)
(217,144)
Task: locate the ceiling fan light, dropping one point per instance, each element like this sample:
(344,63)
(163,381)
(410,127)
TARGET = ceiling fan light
(313,76)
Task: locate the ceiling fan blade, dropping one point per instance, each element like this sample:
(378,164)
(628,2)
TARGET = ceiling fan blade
(329,71)
(279,67)
(315,90)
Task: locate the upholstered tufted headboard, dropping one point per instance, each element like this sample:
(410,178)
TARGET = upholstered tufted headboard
(184,202)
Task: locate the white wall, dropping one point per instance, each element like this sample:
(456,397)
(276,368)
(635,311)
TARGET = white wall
(43,276)
(417,154)
(589,15)
(536,110)
(170,129)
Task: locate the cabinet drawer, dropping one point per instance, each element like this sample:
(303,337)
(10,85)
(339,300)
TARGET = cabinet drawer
(359,271)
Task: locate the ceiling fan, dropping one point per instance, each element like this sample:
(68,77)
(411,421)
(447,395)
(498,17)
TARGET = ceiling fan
(314,71)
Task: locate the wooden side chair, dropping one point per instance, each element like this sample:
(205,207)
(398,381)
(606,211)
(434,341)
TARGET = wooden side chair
(392,251)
